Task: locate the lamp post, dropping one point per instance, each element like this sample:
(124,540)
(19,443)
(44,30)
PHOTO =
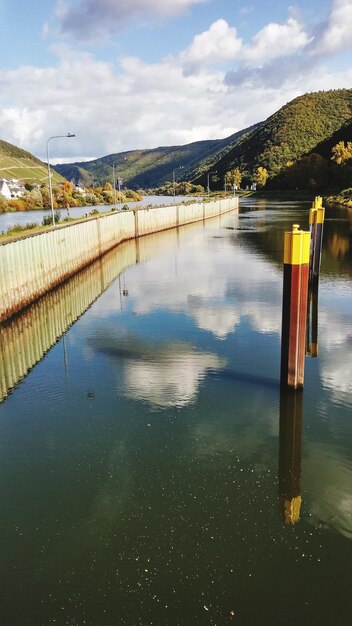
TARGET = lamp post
(173,179)
(213,172)
(119,182)
(113,174)
(49,174)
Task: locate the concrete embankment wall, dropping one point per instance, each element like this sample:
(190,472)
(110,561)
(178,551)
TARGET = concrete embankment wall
(32,265)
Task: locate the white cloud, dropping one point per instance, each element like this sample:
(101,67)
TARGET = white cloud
(276,40)
(90,19)
(218,43)
(136,104)
(337,35)
(221,42)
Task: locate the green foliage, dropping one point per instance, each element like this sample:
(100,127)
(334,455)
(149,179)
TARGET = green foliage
(182,188)
(14,230)
(3,204)
(310,172)
(309,125)
(18,163)
(48,219)
(150,168)
(303,126)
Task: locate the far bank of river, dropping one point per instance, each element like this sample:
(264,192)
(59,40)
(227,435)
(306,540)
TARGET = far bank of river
(25,217)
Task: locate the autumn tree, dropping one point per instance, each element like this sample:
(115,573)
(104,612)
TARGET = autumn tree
(261,176)
(234,177)
(67,187)
(341,152)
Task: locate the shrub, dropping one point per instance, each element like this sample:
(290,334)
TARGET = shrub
(18,228)
(48,219)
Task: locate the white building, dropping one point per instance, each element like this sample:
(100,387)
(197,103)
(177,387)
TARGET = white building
(11,188)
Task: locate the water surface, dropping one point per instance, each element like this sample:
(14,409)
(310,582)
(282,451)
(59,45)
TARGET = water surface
(150,472)
(29,217)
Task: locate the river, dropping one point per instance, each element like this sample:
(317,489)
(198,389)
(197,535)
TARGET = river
(29,217)
(150,470)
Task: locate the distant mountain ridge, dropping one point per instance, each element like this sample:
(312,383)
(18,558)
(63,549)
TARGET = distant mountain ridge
(150,167)
(312,123)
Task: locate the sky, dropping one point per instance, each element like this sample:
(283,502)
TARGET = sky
(134,74)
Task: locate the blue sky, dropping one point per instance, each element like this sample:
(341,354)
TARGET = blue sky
(127,74)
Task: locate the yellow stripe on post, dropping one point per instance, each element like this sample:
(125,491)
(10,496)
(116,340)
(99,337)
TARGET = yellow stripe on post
(316,216)
(317,202)
(316,223)
(296,246)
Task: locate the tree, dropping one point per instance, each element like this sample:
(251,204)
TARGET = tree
(341,152)
(3,204)
(234,177)
(237,176)
(67,187)
(261,176)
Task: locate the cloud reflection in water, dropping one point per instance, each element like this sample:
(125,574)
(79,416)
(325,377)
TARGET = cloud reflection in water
(163,375)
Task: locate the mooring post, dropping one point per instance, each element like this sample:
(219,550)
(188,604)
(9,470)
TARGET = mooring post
(294,307)
(316,223)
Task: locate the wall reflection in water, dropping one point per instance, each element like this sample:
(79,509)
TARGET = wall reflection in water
(290,455)
(26,338)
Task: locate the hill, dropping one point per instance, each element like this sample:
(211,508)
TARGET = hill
(150,168)
(314,122)
(18,163)
(309,123)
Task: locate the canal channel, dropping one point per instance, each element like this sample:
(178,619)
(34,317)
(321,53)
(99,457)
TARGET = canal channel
(151,473)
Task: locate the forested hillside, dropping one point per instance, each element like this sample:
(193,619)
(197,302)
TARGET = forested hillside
(293,148)
(311,123)
(151,168)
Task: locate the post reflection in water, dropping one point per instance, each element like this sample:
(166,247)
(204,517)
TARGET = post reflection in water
(312,320)
(290,499)
(140,484)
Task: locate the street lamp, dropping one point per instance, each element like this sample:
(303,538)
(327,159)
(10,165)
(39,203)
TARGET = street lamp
(49,174)
(113,173)
(213,172)
(173,179)
(119,182)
